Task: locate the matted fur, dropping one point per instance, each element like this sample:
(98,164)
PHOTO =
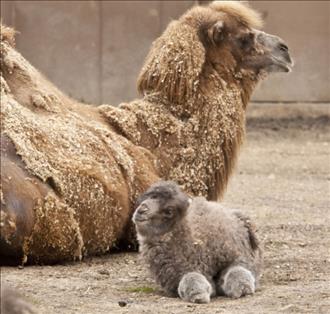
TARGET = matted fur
(7,34)
(68,181)
(87,164)
(173,65)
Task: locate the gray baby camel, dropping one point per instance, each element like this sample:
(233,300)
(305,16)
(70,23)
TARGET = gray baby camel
(194,248)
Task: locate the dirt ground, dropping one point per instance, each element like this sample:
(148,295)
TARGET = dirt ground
(282,181)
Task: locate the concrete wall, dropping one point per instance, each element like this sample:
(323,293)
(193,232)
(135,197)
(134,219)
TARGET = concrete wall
(305,26)
(94,50)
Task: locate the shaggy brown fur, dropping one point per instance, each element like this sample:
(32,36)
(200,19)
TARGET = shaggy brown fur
(68,180)
(177,238)
(195,92)
(88,164)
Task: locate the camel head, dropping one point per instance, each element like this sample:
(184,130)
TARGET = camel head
(232,39)
(223,39)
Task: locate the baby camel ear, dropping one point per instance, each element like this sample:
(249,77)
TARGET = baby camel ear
(216,32)
(173,64)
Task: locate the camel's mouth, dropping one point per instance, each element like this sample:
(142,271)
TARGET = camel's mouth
(280,65)
(138,217)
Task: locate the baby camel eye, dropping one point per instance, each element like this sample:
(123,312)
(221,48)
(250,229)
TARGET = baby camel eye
(168,212)
(153,196)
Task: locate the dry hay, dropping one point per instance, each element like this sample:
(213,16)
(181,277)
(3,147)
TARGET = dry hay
(94,175)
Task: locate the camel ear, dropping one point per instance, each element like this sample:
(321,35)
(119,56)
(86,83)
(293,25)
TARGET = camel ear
(173,64)
(216,32)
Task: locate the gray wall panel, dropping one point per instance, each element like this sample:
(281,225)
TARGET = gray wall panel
(128,30)
(305,25)
(61,38)
(94,50)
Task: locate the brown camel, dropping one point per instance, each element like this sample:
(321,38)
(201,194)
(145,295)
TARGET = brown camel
(70,172)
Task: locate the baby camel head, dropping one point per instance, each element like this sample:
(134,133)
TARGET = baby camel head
(222,39)
(159,209)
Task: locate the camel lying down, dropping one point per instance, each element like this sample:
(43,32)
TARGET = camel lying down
(70,173)
(196,249)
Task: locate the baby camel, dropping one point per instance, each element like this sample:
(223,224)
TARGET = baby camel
(195,248)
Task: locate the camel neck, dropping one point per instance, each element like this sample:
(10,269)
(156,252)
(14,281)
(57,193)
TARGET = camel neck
(234,90)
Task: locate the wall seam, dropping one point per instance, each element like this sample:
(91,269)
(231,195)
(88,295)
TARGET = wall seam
(100,57)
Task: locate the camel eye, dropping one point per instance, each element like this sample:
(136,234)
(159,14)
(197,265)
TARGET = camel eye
(153,196)
(169,212)
(246,41)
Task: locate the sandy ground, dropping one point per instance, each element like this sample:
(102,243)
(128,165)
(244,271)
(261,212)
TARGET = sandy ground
(282,181)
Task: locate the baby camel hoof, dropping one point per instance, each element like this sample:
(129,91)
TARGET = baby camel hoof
(238,282)
(200,298)
(195,288)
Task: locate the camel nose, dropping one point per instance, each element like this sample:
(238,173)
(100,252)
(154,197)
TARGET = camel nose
(284,51)
(140,213)
(143,208)
(283,47)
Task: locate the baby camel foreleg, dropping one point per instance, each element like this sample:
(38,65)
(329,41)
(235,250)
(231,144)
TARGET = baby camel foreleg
(194,287)
(236,281)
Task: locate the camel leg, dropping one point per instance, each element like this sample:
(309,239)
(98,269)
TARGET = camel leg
(236,281)
(195,288)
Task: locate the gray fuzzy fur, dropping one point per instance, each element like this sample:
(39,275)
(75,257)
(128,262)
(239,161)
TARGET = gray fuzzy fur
(12,302)
(194,287)
(236,281)
(203,240)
